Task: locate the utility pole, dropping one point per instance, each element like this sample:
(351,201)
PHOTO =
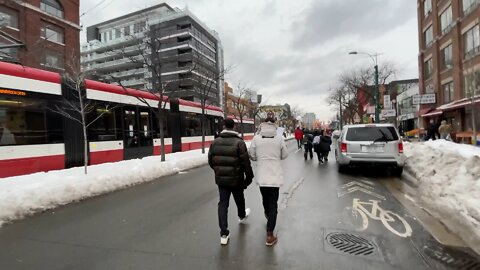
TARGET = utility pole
(340,118)
(377,104)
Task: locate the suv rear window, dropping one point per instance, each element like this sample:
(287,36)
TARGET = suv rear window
(372,134)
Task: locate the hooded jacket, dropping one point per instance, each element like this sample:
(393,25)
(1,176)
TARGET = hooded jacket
(267,149)
(228,157)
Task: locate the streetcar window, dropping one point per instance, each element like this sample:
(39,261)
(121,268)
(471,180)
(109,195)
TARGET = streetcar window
(105,128)
(166,128)
(22,121)
(192,125)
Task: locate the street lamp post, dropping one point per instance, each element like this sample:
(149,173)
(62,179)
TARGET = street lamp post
(374,57)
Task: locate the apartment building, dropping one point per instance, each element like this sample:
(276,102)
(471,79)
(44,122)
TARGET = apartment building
(40,33)
(449,61)
(156,47)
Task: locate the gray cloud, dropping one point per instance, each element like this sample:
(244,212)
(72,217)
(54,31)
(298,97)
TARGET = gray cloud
(328,20)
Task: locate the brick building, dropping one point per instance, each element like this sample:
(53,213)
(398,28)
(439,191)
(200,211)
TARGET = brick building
(40,33)
(449,61)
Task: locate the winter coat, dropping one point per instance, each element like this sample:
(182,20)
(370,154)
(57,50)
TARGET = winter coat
(298,134)
(444,128)
(228,157)
(268,150)
(308,138)
(325,142)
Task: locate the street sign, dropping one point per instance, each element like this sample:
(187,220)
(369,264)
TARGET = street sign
(388,113)
(386,102)
(424,99)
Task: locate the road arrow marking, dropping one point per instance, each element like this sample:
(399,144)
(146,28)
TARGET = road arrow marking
(356,183)
(367,191)
(354,186)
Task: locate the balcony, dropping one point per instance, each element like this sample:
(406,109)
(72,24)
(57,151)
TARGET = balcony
(128,73)
(119,64)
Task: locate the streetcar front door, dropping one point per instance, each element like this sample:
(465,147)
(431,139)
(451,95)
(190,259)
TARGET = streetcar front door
(137,133)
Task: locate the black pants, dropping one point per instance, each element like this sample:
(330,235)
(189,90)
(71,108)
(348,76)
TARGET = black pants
(308,149)
(223,204)
(269,200)
(299,143)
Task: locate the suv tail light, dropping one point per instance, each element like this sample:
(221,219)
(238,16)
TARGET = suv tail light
(343,148)
(400,148)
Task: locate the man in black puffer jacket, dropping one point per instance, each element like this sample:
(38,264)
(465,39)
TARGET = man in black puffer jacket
(228,157)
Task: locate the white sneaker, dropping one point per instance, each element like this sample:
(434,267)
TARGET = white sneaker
(247,213)
(224,239)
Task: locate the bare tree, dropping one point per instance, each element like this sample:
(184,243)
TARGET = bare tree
(79,107)
(146,53)
(241,103)
(356,87)
(208,80)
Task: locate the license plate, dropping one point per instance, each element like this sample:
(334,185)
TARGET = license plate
(373,148)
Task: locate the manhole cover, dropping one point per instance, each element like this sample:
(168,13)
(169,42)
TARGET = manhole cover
(452,258)
(352,244)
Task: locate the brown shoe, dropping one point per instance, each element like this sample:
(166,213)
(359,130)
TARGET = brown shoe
(271,239)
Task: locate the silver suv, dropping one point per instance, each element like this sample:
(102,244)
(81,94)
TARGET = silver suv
(370,144)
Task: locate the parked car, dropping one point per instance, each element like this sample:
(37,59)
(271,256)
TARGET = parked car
(370,144)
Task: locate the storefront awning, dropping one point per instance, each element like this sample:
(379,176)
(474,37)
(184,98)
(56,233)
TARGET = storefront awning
(423,111)
(458,104)
(433,113)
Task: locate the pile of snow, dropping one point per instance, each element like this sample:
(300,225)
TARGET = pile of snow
(448,177)
(28,194)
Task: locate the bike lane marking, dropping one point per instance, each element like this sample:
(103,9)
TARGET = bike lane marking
(376,212)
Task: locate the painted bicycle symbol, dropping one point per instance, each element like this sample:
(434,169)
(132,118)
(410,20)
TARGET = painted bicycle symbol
(388,218)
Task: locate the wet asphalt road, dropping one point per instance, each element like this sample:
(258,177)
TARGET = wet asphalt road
(172,224)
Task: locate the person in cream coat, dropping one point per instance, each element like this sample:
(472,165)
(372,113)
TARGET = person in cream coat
(268,149)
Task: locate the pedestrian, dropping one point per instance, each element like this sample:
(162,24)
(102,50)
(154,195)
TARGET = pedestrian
(316,145)
(444,130)
(325,142)
(299,137)
(308,144)
(228,157)
(268,150)
(431,131)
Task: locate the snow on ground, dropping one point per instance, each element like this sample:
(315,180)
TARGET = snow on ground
(448,176)
(28,194)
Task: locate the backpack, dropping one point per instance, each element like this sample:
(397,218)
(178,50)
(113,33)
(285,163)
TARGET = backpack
(307,139)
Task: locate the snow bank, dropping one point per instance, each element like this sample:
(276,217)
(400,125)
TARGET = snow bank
(28,194)
(448,177)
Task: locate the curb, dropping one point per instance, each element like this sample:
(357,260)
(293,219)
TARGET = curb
(409,178)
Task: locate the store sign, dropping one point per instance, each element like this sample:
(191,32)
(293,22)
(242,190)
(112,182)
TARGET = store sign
(424,99)
(388,113)
(386,102)
(13,92)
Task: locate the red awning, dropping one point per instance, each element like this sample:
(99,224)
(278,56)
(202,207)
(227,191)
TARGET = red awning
(423,111)
(457,104)
(433,113)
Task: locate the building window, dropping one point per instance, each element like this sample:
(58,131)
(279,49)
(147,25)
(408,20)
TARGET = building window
(138,27)
(428,34)
(428,68)
(117,33)
(8,17)
(427,7)
(469,5)
(471,41)
(126,30)
(52,33)
(447,61)
(446,20)
(472,84)
(52,7)
(52,59)
(109,35)
(447,92)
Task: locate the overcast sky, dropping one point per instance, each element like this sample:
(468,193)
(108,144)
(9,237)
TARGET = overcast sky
(292,51)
